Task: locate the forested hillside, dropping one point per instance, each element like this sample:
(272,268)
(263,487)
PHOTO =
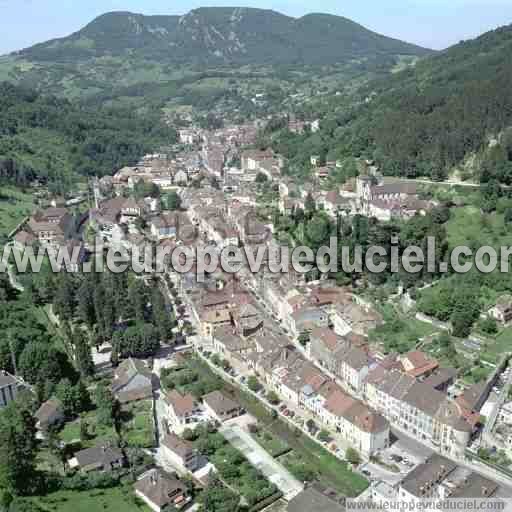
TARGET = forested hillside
(121,53)
(54,140)
(425,120)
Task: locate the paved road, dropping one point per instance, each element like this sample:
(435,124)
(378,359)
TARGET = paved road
(411,446)
(491,420)
(263,461)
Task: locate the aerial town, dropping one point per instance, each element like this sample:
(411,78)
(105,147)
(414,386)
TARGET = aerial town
(255,261)
(258,365)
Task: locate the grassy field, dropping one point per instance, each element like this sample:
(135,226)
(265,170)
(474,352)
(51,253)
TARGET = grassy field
(108,500)
(271,443)
(14,207)
(139,424)
(400,332)
(96,431)
(498,346)
(469,226)
(137,427)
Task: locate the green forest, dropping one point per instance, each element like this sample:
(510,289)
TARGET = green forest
(53,140)
(425,120)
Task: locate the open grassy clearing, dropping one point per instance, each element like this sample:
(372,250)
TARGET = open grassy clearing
(400,332)
(115,499)
(14,207)
(137,427)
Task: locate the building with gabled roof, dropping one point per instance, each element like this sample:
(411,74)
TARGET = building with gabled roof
(423,481)
(160,490)
(181,409)
(366,430)
(180,452)
(220,407)
(417,364)
(50,413)
(98,458)
(9,387)
(132,381)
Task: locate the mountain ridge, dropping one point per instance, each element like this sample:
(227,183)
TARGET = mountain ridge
(238,35)
(138,61)
(450,114)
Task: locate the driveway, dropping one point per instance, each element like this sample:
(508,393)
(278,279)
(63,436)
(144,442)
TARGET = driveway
(261,460)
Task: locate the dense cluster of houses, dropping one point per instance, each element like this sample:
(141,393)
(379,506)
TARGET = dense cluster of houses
(315,352)
(439,478)
(232,326)
(51,228)
(221,147)
(367,195)
(410,390)
(158,169)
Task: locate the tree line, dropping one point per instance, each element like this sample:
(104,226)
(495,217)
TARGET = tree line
(43,137)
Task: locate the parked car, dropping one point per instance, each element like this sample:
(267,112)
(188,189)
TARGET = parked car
(292,414)
(366,472)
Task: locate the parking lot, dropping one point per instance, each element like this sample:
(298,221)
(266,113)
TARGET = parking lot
(397,461)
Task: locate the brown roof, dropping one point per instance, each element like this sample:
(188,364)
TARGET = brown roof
(25,238)
(452,414)
(420,362)
(356,358)
(424,398)
(356,340)
(182,404)
(220,403)
(178,445)
(327,336)
(376,375)
(160,488)
(471,397)
(363,418)
(130,203)
(329,388)
(338,403)
(125,373)
(441,376)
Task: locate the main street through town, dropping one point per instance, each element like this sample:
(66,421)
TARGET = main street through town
(402,444)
